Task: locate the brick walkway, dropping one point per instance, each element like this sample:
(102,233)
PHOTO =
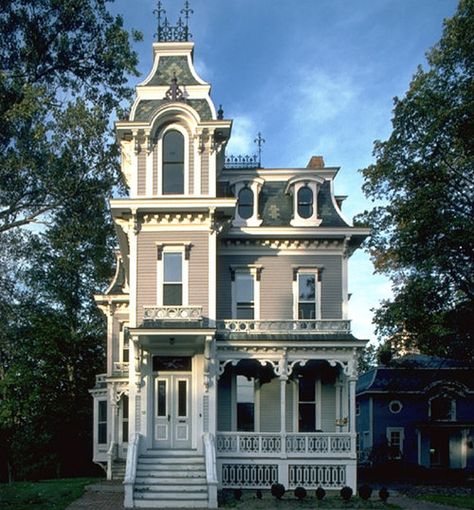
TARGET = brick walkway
(109,496)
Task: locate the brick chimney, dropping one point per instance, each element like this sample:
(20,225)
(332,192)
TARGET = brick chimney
(316,162)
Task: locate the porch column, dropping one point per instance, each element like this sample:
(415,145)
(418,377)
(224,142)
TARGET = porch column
(352,404)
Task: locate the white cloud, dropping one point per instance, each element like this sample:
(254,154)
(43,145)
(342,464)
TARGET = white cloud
(243,135)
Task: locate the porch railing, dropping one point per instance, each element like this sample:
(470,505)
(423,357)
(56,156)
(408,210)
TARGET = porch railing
(284,326)
(268,444)
(172,313)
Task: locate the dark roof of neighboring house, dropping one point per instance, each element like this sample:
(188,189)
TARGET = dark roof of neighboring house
(416,373)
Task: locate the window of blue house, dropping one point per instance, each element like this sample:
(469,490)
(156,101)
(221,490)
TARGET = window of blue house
(173,163)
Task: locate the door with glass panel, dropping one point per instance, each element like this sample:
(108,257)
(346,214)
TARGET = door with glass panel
(173,424)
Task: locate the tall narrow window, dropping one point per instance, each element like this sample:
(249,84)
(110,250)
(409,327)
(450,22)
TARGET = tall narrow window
(305,202)
(245,404)
(395,436)
(173,163)
(244,293)
(245,204)
(172,278)
(125,349)
(307,296)
(307,405)
(102,422)
(125,419)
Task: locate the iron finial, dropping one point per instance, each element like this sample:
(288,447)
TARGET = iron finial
(174,93)
(259,141)
(159,11)
(220,113)
(186,11)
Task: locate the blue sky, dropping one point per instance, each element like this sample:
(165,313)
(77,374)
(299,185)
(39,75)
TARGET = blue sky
(316,77)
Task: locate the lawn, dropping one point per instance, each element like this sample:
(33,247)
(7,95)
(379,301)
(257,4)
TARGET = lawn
(289,502)
(461,500)
(44,495)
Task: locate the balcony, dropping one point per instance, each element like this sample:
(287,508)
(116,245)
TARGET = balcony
(284,326)
(172,313)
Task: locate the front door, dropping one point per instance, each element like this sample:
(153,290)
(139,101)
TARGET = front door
(173,410)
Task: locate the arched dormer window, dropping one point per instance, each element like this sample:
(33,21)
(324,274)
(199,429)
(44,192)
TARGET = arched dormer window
(173,163)
(247,193)
(305,202)
(304,190)
(245,203)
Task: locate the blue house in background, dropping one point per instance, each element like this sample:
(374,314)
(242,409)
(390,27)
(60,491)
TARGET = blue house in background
(417,411)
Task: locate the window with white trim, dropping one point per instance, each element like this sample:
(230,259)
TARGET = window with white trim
(245,292)
(102,421)
(395,438)
(173,274)
(395,406)
(124,413)
(309,398)
(304,192)
(124,345)
(306,292)
(247,194)
(442,408)
(173,163)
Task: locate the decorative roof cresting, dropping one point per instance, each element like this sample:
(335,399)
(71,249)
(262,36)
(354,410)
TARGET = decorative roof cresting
(169,33)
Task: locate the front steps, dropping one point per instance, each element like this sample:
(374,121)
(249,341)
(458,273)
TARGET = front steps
(170,479)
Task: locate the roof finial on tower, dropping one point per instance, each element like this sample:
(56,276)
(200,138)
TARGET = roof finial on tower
(168,33)
(259,141)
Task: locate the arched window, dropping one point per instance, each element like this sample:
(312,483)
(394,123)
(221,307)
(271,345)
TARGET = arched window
(305,202)
(173,163)
(245,203)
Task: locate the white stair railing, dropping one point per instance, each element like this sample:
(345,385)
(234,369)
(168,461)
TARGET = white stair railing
(211,469)
(131,470)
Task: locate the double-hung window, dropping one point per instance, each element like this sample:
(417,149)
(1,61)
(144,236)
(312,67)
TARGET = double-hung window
(102,422)
(172,278)
(306,293)
(125,419)
(245,296)
(245,292)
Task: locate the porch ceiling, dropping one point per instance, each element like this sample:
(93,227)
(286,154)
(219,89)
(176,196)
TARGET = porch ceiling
(173,336)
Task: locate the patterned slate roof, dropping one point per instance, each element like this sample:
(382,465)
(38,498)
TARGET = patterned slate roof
(400,380)
(167,66)
(147,108)
(276,206)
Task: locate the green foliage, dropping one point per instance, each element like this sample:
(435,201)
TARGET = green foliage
(44,495)
(423,233)
(63,77)
(368,358)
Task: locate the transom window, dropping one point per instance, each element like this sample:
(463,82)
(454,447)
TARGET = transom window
(305,202)
(172,278)
(307,296)
(173,163)
(245,203)
(244,294)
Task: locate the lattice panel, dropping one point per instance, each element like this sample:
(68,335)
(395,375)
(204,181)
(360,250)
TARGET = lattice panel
(249,475)
(309,476)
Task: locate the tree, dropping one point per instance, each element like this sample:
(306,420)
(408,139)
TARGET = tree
(368,358)
(423,231)
(63,77)
(58,60)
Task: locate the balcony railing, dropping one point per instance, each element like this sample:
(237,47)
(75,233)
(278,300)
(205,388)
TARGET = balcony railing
(284,326)
(120,367)
(172,313)
(266,444)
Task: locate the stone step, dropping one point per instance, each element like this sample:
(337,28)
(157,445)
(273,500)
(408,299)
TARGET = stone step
(169,496)
(151,479)
(175,503)
(169,488)
(145,459)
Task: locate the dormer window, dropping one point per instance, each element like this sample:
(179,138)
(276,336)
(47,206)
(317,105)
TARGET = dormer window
(305,202)
(173,163)
(304,192)
(245,203)
(246,213)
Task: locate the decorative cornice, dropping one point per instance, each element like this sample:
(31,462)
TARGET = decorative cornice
(284,244)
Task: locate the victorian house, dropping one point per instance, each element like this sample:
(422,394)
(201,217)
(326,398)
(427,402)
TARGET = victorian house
(230,358)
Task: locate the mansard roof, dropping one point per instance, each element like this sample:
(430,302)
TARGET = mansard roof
(416,374)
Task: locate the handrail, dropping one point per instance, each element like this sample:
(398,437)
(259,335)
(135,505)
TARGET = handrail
(308,326)
(211,469)
(131,470)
